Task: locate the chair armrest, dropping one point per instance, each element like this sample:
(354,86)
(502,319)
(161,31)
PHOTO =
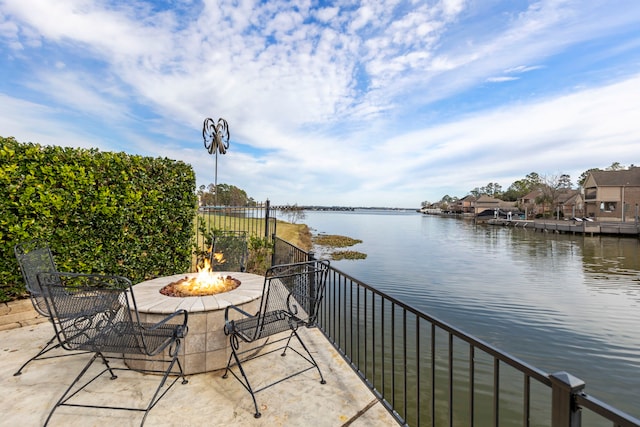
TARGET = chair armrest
(228,323)
(181,330)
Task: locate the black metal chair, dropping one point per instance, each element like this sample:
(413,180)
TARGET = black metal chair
(34,258)
(229,250)
(98,313)
(291,298)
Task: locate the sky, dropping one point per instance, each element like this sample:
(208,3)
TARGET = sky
(385,103)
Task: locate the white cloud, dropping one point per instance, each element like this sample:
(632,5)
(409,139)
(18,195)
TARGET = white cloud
(334,109)
(501,79)
(522,69)
(326,14)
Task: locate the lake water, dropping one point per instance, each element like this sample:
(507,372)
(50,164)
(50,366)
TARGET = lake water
(559,302)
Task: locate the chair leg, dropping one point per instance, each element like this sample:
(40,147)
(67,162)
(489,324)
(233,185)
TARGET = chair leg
(157,395)
(245,383)
(66,395)
(286,346)
(51,345)
(311,359)
(47,348)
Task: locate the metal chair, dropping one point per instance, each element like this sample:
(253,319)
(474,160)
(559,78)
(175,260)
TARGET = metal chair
(229,251)
(34,258)
(291,298)
(98,313)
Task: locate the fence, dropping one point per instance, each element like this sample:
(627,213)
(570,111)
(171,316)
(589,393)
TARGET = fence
(284,253)
(257,221)
(429,373)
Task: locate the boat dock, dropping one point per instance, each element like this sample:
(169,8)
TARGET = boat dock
(591,228)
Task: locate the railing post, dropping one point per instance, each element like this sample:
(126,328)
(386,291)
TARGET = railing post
(564,410)
(266,219)
(275,247)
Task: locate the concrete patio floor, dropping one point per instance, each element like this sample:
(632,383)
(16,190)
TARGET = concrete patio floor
(207,400)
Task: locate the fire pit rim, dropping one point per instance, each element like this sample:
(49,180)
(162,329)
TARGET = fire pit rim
(150,300)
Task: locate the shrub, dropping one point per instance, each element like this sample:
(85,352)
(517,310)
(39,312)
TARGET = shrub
(100,212)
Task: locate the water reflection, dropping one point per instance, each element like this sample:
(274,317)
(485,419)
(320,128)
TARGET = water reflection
(558,302)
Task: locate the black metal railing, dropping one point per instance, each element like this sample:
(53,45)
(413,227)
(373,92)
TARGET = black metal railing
(285,253)
(427,372)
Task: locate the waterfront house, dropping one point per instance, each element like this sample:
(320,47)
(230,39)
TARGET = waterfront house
(528,203)
(613,195)
(466,205)
(571,203)
(567,203)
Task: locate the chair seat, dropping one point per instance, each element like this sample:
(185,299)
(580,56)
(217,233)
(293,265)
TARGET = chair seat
(273,322)
(128,338)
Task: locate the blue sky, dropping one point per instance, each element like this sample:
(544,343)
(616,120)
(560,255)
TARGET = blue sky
(360,103)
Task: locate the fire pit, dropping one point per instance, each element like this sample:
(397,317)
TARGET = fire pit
(206,347)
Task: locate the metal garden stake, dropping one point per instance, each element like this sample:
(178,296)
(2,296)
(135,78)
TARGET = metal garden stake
(216,139)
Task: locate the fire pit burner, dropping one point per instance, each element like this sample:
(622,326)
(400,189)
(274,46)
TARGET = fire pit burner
(193,287)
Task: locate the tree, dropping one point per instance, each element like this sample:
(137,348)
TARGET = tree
(516,190)
(615,166)
(564,182)
(492,189)
(294,213)
(447,201)
(522,187)
(228,195)
(551,187)
(584,175)
(206,198)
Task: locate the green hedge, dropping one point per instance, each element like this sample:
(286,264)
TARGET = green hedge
(100,212)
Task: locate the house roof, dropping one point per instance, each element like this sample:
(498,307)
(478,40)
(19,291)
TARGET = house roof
(566,195)
(488,199)
(628,177)
(563,195)
(532,195)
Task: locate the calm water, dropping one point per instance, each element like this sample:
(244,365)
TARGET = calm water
(558,302)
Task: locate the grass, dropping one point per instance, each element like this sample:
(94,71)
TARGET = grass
(338,255)
(335,240)
(296,234)
(331,241)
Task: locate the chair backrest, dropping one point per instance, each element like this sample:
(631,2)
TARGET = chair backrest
(83,306)
(296,289)
(229,251)
(34,258)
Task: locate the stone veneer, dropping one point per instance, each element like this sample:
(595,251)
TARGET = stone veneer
(206,347)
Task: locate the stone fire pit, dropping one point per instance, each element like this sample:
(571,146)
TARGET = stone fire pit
(206,347)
